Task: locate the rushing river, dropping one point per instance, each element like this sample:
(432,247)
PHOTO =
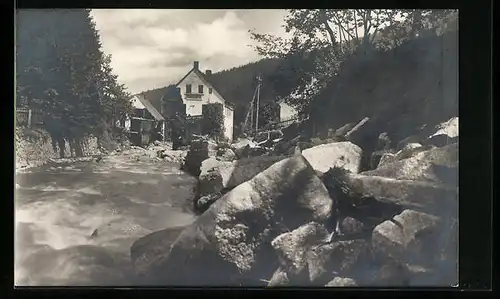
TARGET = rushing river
(75,223)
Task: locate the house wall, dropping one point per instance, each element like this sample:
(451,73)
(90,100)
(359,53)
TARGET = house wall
(194,106)
(228,122)
(287,112)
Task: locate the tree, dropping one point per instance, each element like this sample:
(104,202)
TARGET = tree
(322,39)
(62,73)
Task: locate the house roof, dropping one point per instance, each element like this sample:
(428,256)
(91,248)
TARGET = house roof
(207,81)
(149,107)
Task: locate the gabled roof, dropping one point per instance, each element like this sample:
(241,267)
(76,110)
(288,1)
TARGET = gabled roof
(207,82)
(150,108)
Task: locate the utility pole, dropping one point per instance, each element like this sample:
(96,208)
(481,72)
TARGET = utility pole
(259,80)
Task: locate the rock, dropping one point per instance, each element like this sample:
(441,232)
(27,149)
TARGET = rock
(351,226)
(419,195)
(342,154)
(279,278)
(257,151)
(391,274)
(386,158)
(383,142)
(226,155)
(198,152)
(161,154)
(376,158)
(445,133)
(410,150)
(233,236)
(448,128)
(434,165)
(410,237)
(342,257)
(341,282)
(211,147)
(147,250)
(204,202)
(441,140)
(411,139)
(241,147)
(292,247)
(216,175)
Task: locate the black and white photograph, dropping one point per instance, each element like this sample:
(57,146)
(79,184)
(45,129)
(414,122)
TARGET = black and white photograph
(236,148)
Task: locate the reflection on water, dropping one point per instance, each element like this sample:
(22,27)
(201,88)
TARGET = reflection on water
(77,227)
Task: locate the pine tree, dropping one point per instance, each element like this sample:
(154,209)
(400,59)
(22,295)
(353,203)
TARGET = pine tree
(63,74)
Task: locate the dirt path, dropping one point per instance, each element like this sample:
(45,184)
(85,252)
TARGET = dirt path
(59,207)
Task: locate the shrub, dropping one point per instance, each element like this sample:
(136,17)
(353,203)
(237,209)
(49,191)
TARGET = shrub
(213,120)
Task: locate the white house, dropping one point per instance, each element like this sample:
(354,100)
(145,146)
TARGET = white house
(145,117)
(196,90)
(287,112)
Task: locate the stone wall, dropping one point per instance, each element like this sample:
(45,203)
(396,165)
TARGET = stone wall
(33,147)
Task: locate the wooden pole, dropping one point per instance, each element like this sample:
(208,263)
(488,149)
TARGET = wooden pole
(29,118)
(258,102)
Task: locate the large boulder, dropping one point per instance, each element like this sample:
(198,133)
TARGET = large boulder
(279,278)
(350,258)
(214,174)
(232,239)
(444,134)
(145,250)
(408,151)
(292,247)
(198,152)
(419,195)
(434,165)
(340,154)
(217,176)
(409,237)
(449,128)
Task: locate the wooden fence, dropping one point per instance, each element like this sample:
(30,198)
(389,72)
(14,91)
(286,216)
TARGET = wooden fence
(28,118)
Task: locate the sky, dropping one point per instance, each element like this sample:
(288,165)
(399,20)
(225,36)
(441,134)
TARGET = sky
(152,48)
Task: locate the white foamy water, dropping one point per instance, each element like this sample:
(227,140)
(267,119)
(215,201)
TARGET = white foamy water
(80,232)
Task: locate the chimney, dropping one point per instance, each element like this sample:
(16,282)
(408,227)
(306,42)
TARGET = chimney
(208,72)
(196,65)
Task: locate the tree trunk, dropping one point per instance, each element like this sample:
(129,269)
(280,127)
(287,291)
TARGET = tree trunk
(54,143)
(329,30)
(78,147)
(71,143)
(62,146)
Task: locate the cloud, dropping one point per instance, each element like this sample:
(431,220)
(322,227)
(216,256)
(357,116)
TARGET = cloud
(154,48)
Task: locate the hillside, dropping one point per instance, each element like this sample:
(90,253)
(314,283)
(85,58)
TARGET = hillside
(401,89)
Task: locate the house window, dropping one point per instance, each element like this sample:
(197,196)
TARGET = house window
(188,88)
(200,88)
(210,90)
